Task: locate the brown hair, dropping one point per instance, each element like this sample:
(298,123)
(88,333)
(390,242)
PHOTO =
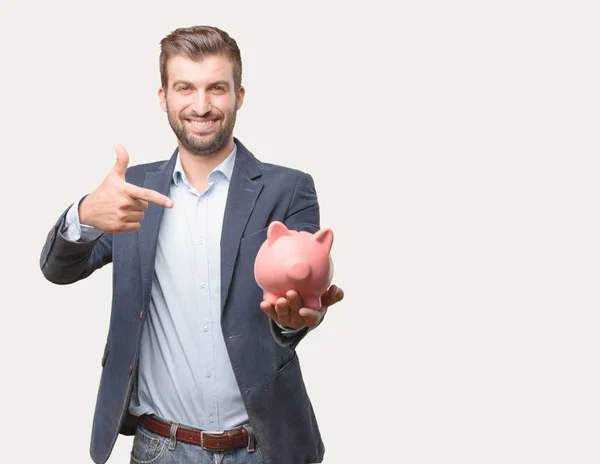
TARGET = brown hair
(196,43)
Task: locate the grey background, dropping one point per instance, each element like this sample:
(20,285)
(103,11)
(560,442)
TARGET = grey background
(454,146)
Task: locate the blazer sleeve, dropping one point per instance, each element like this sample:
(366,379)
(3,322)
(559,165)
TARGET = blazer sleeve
(302,215)
(65,262)
(303,211)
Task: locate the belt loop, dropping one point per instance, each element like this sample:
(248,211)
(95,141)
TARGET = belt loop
(251,441)
(173,437)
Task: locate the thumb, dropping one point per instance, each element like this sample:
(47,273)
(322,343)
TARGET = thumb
(122,160)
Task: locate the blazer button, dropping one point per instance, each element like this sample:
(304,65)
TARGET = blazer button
(130,369)
(141,314)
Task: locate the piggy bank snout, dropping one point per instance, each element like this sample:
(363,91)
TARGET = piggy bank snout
(298,270)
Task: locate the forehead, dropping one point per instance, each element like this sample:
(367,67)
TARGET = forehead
(211,68)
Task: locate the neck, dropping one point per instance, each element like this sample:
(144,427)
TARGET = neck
(198,167)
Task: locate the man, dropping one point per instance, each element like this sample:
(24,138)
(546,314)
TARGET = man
(191,366)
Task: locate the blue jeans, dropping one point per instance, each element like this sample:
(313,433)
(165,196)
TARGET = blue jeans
(151,448)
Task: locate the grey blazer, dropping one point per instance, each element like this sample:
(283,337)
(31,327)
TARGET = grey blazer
(264,362)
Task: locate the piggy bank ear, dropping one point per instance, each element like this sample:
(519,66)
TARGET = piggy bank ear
(275,231)
(325,237)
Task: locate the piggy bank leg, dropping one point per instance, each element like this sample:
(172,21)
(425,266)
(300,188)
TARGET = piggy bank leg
(312,302)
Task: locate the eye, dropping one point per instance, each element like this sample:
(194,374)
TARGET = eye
(219,89)
(183,88)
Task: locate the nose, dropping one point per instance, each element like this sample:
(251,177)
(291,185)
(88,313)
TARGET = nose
(202,104)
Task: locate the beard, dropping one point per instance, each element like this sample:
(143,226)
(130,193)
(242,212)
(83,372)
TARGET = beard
(205,144)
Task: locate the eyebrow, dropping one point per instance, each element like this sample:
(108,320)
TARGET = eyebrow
(212,84)
(223,83)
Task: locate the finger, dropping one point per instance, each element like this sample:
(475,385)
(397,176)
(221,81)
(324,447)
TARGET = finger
(337,294)
(311,316)
(128,227)
(332,296)
(283,311)
(265,305)
(138,205)
(151,196)
(269,310)
(329,297)
(134,205)
(294,300)
(135,216)
(122,160)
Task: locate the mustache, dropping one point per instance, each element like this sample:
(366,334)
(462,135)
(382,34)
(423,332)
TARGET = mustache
(193,114)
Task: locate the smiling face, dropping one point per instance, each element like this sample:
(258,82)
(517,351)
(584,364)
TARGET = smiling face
(201,102)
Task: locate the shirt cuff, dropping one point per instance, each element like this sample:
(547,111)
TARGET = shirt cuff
(287,331)
(76,232)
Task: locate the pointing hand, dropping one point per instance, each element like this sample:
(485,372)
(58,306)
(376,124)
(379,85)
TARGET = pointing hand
(117,206)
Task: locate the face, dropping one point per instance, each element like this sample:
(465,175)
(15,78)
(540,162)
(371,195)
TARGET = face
(201,103)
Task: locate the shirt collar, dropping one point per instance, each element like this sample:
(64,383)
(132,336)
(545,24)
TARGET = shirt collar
(225,168)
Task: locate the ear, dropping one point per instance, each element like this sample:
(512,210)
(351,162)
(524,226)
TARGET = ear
(162,99)
(239,100)
(275,231)
(325,237)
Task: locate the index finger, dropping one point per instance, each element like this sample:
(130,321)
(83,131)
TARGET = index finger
(151,196)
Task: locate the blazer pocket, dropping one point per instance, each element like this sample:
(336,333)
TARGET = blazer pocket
(105,355)
(287,363)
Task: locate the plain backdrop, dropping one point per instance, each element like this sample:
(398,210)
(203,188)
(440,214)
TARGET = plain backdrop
(454,147)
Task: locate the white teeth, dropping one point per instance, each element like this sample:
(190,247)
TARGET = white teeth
(202,123)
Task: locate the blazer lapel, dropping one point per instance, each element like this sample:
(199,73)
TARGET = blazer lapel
(160,181)
(241,198)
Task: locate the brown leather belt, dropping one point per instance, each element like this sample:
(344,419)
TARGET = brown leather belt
(210,440)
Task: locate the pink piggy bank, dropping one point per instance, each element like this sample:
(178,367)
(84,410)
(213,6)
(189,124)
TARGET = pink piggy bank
(292,260)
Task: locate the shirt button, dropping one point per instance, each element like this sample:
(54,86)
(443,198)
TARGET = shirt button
(206,328)
(211,419)
(208,374)
(202,284)
(141,315)
(200,241)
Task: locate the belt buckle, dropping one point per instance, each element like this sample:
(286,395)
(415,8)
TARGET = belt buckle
(210,432)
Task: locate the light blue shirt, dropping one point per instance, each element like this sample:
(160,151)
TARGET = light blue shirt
(184,369)
(185,373)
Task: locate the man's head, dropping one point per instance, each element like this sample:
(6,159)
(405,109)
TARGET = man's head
(201,87)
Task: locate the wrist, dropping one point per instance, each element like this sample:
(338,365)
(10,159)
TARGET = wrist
(83,211)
